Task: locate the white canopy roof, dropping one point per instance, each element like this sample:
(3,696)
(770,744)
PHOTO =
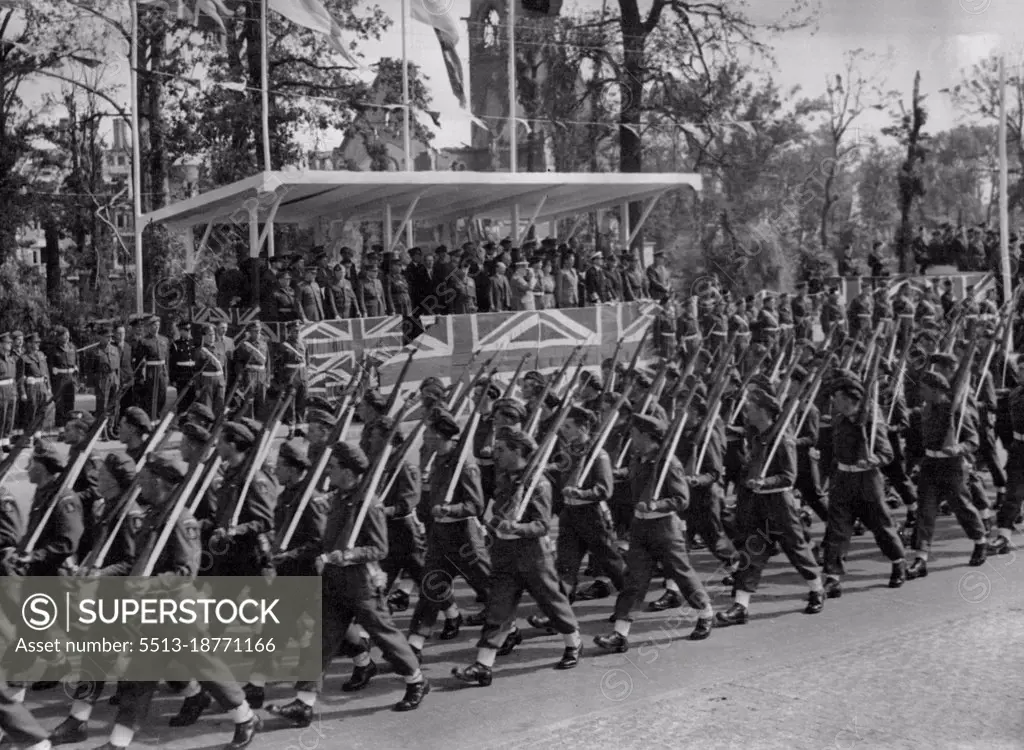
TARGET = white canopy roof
(442,196)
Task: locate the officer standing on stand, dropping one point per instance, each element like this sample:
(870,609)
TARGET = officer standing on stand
(64,374)
(107,371)
(182,365)
(33,381)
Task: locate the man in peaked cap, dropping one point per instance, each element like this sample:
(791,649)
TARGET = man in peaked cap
(291,369)
(63,362)
(33,382)
(857,490)
(181,364)
(106,367)
(211,364)
(250,364)
(455,501)
(8,391)
(765,506)
(943,470)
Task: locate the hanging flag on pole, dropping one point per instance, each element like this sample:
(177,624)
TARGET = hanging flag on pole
(439,15)
(312,15)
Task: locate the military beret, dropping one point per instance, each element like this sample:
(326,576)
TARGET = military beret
(443,423)
(384,425)
(764,401)
(582,416)
(254,425)
(295,453)
(121,468)
(319,416)
(33,338)
(852,387)
(649,425)
(493,389)
(196,433)
(934,381)
(376,400)
(510,408)
(46,453)
(167,467)
(533,376)
(83,423)
(200,414)
(351,457)
(607,364)
(762,381)
(137,419)
(239,434)
(431,381)
(943,360)
(516,438)
(153,319)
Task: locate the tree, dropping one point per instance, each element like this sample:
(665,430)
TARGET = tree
(909,131)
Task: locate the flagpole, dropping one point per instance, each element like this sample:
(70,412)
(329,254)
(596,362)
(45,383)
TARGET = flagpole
(406,108)
(136,156)
(513,150)
(1004,195)
(265,83)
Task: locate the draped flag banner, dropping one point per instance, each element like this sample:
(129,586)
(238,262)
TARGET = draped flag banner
(447,343)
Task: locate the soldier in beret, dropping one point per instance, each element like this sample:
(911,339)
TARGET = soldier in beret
(766,511)
(180,557)
(200,415)
(656,535)
(453,500)
(8,391)
(522,562)
(63,361)
(134,431)
(114,476)
(406,542)
(943,470)
(33,381)
(857,491)
(63,528)
(298,557)
(352,587)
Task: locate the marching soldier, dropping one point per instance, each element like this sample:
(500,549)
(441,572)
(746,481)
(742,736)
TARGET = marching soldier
(943,473)
(249,366)
(8,391)
(212,365)
(832,314)
(455,544)
(33,381)
(134,431)
(522,562)
(107,371)
(657,536)
(802,307)
(352,590)
(182,365)
(180,558)
(766,512)
(857,491)
(1006,516)
(808,468)
(64,374)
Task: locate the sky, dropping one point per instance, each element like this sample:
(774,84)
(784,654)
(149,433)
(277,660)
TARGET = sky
(938,37)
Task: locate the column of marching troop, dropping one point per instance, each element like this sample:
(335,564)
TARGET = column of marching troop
(722,443)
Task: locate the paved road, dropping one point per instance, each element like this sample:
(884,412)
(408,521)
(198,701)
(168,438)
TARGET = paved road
(933,665)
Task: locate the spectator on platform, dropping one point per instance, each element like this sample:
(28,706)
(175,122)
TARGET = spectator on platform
(348,264)
(311,297)
(418,276)
(634,283)
(567,281)
(547,282)
(323,266)
(499,292)
(483,286)
(370,293)
(440,279)
(464,289)
(232,286)
(598,290)
(537,283)
(848,264)
(875,262)
(613,275)
(340,296)
(282,302)
(521,285)
(659,279)
(396,291)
